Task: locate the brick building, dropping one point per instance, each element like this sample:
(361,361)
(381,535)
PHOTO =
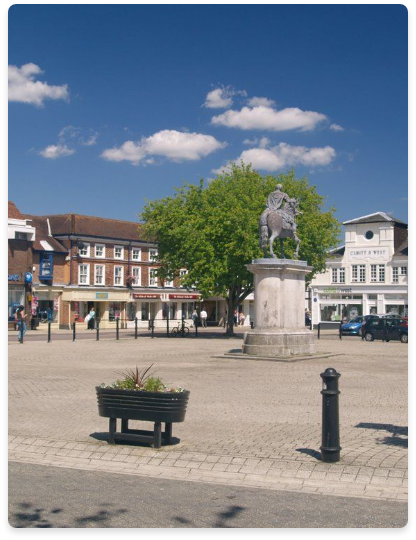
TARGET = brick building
(109,266)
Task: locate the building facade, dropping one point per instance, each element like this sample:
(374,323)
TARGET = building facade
(368,274)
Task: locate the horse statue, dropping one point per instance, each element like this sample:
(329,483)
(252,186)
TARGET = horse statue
(280,224)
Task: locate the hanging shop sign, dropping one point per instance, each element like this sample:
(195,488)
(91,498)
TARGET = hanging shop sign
(28,277)
(101,295)
(144,296)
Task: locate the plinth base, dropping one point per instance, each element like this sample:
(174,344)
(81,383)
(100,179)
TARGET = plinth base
(272,343)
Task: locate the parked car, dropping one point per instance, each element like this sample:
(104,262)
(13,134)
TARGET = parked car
(386,328)
(354,326)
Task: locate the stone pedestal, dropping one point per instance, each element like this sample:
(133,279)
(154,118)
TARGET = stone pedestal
(279,309)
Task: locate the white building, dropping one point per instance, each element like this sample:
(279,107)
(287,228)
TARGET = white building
(368,274)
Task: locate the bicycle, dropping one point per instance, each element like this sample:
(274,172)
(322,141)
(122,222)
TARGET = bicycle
(181,330)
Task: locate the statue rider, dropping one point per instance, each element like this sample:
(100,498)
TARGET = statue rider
(275,202)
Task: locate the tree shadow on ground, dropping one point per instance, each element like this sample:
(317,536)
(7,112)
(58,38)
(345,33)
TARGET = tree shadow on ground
(399,433)
(310,452)
(31,516)
(221,519)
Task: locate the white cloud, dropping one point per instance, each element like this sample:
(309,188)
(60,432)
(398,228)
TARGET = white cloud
(261,101)
(77,135)
(55,151)
(222,97)
(174,145)
(251,142)
(336,127)
(24,88)
(283,155)
(262,117)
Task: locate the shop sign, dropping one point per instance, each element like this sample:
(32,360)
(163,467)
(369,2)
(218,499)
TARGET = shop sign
(361,254)
(332,290)
(14,277)
(28,277)
(183,296)
(101,296)
(144,296)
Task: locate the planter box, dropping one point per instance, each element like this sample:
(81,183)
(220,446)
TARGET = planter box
(154,407)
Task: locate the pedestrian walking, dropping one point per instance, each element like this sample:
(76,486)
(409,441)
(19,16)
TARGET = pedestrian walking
(204,316)
(235,317)
(241,318)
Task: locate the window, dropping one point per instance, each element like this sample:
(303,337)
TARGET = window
(168,283)
(20,235)
(118,252)
(84,251)
(118,275)
(136,254)
(84,274)
(99,251)
(135,272)
(152,254)
(187,309)
(369,235)
(403,270)
(182,274)
(358,273)
(153,277)
(338,275)
(114,311)
(377,273)
(395,274)
(99,276)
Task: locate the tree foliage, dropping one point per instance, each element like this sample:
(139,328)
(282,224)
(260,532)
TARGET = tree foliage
(212,230)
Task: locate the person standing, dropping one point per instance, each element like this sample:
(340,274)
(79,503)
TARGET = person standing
(241,318)
(194,317)
(204,316)
(91,320)
(21,324)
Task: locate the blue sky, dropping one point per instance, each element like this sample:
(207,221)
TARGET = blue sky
(110,105)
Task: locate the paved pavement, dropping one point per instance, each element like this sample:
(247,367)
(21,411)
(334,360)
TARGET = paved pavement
(47,497)
(249,423)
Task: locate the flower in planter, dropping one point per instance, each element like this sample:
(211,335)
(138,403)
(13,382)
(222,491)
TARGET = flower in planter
(134,379)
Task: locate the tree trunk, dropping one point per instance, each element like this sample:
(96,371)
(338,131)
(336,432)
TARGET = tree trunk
(230,315)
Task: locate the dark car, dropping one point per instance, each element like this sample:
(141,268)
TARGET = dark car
(354,326)
(386,329)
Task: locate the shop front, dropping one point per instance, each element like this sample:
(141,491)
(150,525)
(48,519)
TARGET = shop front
(159,307)
(45,305)
(108,306)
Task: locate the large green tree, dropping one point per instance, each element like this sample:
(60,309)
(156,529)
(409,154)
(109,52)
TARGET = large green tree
(212,230)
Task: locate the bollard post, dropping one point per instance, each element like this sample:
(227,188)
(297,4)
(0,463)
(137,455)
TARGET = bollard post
(49,332)
(73,331)
(97,327)
(330,449)
(196,327)
(135,328)
(21,331)
(167,323)
(319,330)
(252,324)
(340,332)
(117,328)
(153,328)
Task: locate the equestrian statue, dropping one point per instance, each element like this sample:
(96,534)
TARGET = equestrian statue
(278,221)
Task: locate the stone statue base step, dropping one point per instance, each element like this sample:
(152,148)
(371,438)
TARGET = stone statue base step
(237,354)
(277,343)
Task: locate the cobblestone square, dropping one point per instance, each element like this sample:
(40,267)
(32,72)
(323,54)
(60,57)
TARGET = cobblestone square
(250,423)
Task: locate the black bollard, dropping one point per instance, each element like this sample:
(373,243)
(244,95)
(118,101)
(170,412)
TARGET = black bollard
(167,323)
(330,449)
(252,324)
(153,328)
(49,332)
(117,328)
(340,331)
(196,327)
(319,330)
(73,331)
(135,328)
(97,327)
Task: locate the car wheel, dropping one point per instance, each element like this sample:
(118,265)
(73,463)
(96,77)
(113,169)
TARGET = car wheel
(369,337)
(403,338)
